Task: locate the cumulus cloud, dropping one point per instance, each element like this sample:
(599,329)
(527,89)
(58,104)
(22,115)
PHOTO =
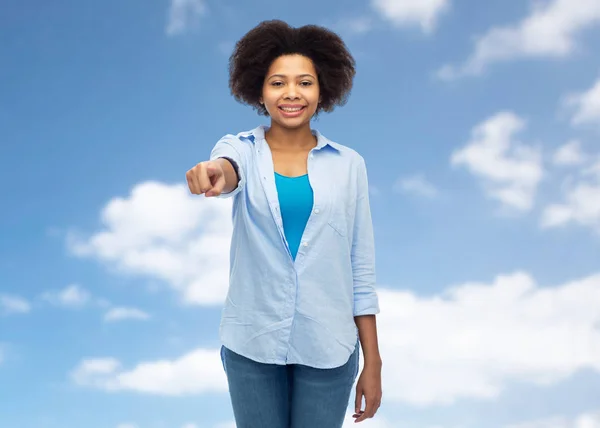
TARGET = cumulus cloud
(581,202)
(473,339)
(351,26)
(585,420)
(423,13)
(549,31)
(585,105)
(161,231)
(225,425)
(123,313)
(10,304)
(416,184)
(569,154)
(199,371)
(184,14)
(510,171)
(72,296)
(469,341)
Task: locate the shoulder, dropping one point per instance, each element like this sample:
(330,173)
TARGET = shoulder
(243,138)
(241,142)
(347,153)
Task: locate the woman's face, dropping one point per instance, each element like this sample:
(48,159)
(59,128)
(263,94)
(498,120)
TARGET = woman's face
(291,91)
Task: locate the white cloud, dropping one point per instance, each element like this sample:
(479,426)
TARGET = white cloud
(13,305)
(586,105)
(510,171)
(127,425)
(374,191)
(95,367)
(350,26)
(416,184)
(550,31)
(122,313)
(569,154)
(72,296)
(184,14)
(581,203)
(470,341)
(585,420)
(161,231)
(197,372)
(358,25)
(474,339)
(424,13)
(230,424)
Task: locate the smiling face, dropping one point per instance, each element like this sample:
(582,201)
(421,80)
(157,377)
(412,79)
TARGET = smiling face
(291,91)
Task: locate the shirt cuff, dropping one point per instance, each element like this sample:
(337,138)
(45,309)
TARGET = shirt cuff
(366,307)
(227,151)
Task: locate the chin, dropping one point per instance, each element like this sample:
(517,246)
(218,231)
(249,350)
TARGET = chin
(292,123)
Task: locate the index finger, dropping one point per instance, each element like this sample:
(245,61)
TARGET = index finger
(203,178)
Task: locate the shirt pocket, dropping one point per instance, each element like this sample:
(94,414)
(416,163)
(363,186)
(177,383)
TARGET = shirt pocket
(339,210)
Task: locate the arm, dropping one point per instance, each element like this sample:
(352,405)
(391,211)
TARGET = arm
(366,302)
(221,176)
(230,173)
(228,153)
(367,333)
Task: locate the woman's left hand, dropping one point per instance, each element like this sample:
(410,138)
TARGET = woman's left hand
(369,386)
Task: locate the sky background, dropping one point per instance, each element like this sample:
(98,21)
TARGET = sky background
(479,123)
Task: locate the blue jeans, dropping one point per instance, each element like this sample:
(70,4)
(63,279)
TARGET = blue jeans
(292,396)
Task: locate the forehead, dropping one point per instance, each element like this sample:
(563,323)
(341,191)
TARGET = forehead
(292,65)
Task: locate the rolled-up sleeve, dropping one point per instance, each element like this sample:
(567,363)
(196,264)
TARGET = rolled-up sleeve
(232,148)
(366,301)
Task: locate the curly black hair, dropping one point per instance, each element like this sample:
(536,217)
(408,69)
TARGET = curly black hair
(255,52)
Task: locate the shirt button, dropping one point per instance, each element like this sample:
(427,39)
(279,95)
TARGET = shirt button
(305,244)
(317,211)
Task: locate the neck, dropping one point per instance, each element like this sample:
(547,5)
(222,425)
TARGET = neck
(301,138)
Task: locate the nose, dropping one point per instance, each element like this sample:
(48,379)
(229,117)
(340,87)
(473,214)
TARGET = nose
(291,93)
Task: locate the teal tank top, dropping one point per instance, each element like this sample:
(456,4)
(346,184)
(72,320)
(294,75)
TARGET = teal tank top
(296,203)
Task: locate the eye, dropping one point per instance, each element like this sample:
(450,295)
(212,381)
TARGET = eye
(306,83)
(276,83)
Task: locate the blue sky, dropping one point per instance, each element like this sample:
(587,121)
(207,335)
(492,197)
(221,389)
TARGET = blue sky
(480,127)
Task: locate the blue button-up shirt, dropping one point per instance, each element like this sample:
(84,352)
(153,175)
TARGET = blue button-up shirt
(284,311)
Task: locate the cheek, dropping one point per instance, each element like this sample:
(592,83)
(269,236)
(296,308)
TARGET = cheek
(268,97)
(316,95)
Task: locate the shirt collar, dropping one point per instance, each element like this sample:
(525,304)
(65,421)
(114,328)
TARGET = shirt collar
(322,142)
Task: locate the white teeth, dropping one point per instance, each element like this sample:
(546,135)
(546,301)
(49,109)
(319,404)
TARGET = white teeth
(291,109)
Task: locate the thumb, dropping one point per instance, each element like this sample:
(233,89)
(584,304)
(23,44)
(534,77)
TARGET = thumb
(214,170)
(218,183)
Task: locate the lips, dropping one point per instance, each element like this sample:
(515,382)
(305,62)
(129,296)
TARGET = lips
(291,110)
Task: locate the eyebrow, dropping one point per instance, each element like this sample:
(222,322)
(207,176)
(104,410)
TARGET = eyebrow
(298,77)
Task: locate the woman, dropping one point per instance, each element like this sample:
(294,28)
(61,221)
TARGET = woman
(301,298)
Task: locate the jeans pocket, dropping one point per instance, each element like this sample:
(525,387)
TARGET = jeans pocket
(223,359)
